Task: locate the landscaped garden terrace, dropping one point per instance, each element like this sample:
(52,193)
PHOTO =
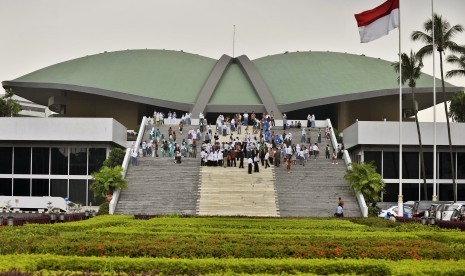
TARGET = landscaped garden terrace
(199,245)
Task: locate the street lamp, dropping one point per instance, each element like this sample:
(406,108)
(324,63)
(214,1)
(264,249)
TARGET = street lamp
(10,220)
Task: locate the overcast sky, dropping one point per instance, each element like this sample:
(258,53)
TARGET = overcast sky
(39,33)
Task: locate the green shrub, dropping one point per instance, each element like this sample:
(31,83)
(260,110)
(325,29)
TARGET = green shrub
(115,158)
(107,180)
(104,208)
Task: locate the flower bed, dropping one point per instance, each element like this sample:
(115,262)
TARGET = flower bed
(306,243)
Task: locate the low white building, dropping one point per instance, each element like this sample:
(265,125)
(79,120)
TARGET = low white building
(378,142)
(55,156)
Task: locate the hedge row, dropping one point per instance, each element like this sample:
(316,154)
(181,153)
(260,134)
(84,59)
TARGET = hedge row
(116,265)
(228,237)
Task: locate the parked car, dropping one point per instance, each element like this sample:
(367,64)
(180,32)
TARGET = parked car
(436,210)
(459,213)
(395,211)
(419,207)
(448,210)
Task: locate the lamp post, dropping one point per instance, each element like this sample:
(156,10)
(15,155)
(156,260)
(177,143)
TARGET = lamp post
(10,220)
(62,217)
(53,217)
(86,213)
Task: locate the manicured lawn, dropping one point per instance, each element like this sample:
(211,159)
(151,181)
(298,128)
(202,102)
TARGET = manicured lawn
(174,245)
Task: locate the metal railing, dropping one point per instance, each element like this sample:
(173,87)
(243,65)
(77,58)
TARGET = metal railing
(345,154)
(127,157)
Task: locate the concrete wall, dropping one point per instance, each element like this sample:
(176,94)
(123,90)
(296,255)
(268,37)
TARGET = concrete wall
(86,105)
(374,109)
(63,130)
(387,133)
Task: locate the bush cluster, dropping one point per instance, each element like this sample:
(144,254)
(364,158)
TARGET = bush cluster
(176,245)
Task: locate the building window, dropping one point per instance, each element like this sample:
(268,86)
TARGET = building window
(78,161)
(410,165)
(40,160)
(446,191)
(96,158)
(78,191)
(59,161)
(409,191)
(375,157)
(460,192)
(391,165)
(59,187)
(429,191)
(22,163)
(444,165)
(461,165)
(21,187)
(40,187)
(6,160)
(428,156)
(392,192)
(5,187)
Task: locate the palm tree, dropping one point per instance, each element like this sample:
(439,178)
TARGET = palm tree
(443,34)
(460,62)
(411,71)
(457,107)
(364,178)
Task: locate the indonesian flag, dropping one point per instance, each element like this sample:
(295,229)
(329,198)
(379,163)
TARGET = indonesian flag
(378,22)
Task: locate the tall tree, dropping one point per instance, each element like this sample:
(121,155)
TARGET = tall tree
(443,35)
(411,71)
(460,62)
(457,107)
(8,106)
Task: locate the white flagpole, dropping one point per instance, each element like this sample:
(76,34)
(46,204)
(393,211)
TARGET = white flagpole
(234,37)
(435,197)
(400,199)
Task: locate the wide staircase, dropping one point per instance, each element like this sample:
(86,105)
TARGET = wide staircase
(313,190)
(158,186)
(232,191)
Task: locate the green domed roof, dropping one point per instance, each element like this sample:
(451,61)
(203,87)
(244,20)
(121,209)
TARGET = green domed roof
(161,74)
(173,79)
(305,76)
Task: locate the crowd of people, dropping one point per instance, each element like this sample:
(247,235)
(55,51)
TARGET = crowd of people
(260,143)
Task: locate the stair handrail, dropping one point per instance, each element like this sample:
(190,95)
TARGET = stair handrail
(345,155)
(127,157)
(360,198)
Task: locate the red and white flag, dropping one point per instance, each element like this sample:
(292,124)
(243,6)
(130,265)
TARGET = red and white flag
(378,22)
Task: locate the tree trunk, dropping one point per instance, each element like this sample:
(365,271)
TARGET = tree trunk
(422,160)
(448,129)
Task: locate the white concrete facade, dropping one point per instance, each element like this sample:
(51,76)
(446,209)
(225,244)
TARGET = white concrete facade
(62,130)
(387,133)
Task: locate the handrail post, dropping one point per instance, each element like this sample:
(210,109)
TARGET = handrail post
(125,165)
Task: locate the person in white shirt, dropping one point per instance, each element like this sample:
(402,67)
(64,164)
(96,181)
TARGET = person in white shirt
(250,161)
(134,157)
(215,158)
(246,118)
(315,150)
(267,158)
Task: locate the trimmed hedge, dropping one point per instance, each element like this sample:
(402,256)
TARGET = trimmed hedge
(198,245)
(117,265)
(170,237)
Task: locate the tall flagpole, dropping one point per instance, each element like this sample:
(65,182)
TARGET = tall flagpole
(435,197)
(234,37)
(400,199)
